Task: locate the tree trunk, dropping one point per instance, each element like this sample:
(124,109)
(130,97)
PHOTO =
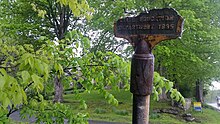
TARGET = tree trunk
(199,91)
(61,23)
(163,95)
(58,97)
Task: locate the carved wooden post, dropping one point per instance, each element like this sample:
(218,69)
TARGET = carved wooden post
(142,69)
(144,32)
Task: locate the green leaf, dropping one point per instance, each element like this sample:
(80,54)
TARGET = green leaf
(4,73)
(46,71)
(72,5)
(42,13)
(39,66)
(17,98)
(24,96)
(86,42)
(58,69)
(168,85)
(157,77)
(155,93)
(25,76)
(31,62)
(77,45)
(77,12)
(2,82)
(23,66)
(41,97)
(159,90)
(83,104)
(6,102)
(56,66)
(38,82)
(25,56)
(33,103)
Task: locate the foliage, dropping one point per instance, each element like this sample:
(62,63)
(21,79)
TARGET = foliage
(100,71)
(78,8)
(160,83)
(32,72)
(29,20)
(23,83)
(197,51)
(211,96)
(22,72)
(30,57)
(23,88)
(21,23)
(178,60)
(53,113)
(100,111)
(36,65)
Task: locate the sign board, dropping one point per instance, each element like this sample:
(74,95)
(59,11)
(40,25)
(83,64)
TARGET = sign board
(197,106)
(156,25)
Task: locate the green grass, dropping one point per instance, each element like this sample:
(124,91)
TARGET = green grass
(99,109)
(207,116)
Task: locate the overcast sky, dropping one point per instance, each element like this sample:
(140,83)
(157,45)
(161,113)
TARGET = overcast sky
(216,85)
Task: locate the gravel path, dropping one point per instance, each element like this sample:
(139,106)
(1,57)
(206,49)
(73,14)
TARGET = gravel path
(16,116)
(102,122)
(214,105)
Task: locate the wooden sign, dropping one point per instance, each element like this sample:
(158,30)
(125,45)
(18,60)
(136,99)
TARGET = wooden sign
(156,25)
(144,32)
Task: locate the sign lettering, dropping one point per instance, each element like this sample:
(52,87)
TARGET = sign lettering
(164,22)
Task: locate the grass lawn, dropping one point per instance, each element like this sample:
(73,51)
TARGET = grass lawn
(99,109)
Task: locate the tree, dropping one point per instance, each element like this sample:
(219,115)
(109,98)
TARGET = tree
(56,57)
(24,74)
(177,60)
(30,62)
(51,19)
(198,47)
(105,16)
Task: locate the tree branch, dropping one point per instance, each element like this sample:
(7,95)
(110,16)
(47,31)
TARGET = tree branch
(120,45)
(100,41)
(55,22)
(12,110)
(28,85)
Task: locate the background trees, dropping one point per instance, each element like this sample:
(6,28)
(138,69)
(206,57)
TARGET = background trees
(193,58)
(45,42)
(43,59)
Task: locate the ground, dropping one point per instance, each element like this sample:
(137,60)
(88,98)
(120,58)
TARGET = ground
(103,113)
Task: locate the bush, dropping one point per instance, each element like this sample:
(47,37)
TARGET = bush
(154,115)
(120,112)
(100,111)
